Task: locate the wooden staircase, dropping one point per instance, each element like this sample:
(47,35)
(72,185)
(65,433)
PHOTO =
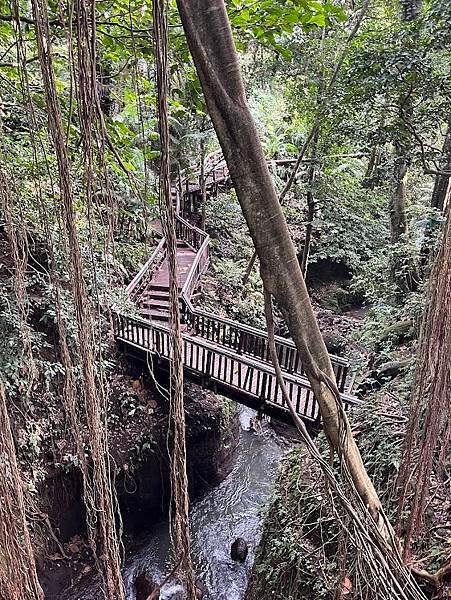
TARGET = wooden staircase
(153,303)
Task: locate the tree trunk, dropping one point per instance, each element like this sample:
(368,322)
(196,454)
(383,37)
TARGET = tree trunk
(442,187)
(203,183)
(210,40)
(429,428)
(309,224)
(398,220)
(371,170)
(310,205)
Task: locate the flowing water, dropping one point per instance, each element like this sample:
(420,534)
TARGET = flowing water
(230,510)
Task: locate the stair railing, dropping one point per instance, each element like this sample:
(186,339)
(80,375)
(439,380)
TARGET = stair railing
(139,283)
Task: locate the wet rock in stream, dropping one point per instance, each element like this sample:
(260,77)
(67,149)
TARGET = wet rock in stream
(239,550)
(144,587)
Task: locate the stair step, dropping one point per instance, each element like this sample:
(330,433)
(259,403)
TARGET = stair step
(158,305)
(160,287)
(155,315)
(154,295)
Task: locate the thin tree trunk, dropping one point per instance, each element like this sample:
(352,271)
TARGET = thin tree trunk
(210,40)
(373,163)
(309,225)
(180,208)
(310,205)
(203,183)
(442,187)
(249,268)
(398,220)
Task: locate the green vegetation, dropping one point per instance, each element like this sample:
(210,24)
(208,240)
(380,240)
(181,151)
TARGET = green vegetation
(361,93)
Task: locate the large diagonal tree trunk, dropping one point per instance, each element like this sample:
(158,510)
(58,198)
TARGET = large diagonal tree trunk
(210,40)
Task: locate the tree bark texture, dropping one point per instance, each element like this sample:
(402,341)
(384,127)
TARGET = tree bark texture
(18,576)
(429,429)
(211,44)
(442,187)
(398,221)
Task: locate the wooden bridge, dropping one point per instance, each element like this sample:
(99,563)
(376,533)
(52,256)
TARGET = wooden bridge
(223,355)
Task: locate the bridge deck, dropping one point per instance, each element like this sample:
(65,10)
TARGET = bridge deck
(223,355)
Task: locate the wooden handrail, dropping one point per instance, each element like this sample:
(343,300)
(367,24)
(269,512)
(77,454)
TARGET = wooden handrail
(266,368)
(130,289)
(253,342)
(240,374)
(247,340)
(257,332)
(195,271)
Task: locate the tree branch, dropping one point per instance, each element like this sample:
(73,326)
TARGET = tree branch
(23,19)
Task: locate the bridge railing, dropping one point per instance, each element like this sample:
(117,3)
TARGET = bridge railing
(197,239)
(249,341)
(223,369)
(242,339)
(223,346)
(190,234)
(139,283)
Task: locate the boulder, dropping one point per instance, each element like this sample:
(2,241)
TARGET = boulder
(144,587)
(201,589)
(239,550)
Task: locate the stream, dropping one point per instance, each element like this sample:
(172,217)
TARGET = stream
(227,511)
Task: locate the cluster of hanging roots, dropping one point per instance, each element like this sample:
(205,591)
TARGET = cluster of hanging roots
(179,482)
(429,428)
(17,568)
(379,565)
(98,477)
(18,578)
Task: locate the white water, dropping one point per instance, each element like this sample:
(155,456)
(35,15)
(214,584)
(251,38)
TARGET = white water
(230,510)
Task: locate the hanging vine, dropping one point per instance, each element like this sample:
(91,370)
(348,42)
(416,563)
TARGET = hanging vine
(380,570)
(101,506)
(18,577)
(179,482)
(18,245)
